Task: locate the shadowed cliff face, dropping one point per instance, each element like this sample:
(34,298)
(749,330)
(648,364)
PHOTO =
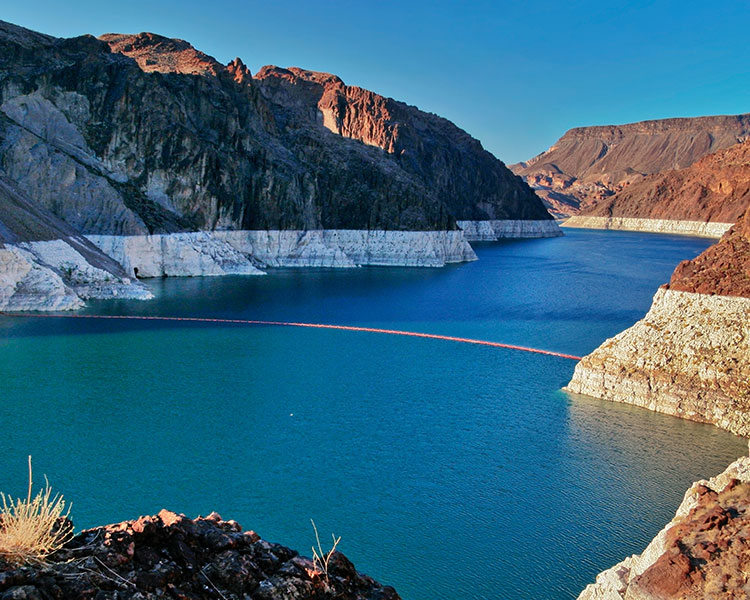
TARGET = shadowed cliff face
(134,134)
(589,164)
(464,176)
(715,188)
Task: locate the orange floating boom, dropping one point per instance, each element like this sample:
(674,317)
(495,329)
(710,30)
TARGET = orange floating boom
(432,336)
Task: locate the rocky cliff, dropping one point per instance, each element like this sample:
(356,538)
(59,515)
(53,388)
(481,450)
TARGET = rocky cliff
(715,190)
(704,552)
(690,355)
(466,178)
(146,136)
(590,164)
(171,556)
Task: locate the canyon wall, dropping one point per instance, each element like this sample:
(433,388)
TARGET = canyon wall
(703,198)
(141,134)
(175,164)
(667,226)
(590,164)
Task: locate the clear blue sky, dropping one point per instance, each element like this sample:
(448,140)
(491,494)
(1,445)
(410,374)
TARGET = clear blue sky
(516,74)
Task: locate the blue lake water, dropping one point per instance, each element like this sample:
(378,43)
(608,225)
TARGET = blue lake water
(450,470)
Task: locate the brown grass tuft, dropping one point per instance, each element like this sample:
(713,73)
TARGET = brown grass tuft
(32,529)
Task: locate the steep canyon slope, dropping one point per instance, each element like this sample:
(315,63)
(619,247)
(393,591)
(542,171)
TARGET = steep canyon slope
(590,164)
(149,147)
(704,198)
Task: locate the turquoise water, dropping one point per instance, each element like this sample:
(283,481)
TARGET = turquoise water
(450,470)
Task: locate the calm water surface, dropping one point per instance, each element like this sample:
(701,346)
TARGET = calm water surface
(450,470)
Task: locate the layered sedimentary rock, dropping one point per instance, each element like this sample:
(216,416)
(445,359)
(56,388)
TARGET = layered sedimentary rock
(171,556)
(704,198)
(590,164)
(345,248)
(704,552)
(690,355)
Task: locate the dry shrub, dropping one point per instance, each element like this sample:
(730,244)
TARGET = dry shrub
(32,529)
(321,558)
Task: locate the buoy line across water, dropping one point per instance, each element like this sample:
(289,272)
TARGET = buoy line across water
(432,336)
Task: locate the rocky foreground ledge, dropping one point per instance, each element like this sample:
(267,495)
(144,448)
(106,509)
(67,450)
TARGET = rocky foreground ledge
(704,552)
(171,556)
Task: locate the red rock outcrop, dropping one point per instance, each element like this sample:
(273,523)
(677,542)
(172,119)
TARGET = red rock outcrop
(707,554)
(589,164)
(137,134)
(702,554)
(715,188)
(171,556)
(723,269)
(158,54)
(471,182)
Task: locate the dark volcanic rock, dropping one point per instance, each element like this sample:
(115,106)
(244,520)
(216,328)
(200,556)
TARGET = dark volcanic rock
(463,175)
(171,556)
(133,134)
(588,164)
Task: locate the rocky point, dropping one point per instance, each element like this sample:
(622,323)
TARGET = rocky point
(171,556)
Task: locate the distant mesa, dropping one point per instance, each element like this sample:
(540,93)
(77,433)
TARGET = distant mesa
(588,168)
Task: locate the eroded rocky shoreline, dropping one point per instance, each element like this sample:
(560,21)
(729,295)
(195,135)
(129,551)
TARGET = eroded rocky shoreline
(702,553)
(668,226)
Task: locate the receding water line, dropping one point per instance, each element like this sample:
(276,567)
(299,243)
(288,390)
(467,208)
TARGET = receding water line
(432,336)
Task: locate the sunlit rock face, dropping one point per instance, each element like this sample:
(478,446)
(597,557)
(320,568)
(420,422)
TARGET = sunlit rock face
(690,355)
(715,189)
(467,179)
(150,148)
(589,165)
(141,134)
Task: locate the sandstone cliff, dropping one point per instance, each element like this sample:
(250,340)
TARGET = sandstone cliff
(589,164)
(702,553)
(171,556)
(690,355)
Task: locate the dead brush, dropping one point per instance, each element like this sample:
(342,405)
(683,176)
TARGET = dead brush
(32,529)
(320,558)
